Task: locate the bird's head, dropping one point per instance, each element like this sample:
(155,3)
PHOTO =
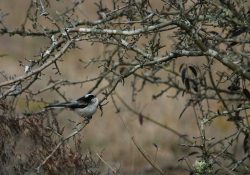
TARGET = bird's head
(89,98)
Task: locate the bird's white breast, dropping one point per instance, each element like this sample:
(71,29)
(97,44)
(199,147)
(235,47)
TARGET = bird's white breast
(89,110)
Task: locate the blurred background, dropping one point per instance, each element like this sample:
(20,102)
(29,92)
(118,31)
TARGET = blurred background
(111,133)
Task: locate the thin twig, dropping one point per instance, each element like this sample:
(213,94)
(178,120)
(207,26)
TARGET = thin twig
(78,130)
(108,165)
(44,66)
(144,154)
(153,121)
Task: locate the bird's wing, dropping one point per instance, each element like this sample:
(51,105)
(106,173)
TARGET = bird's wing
(77,104)
(81,100)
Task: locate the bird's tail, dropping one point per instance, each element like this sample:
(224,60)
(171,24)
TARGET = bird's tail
(57,105)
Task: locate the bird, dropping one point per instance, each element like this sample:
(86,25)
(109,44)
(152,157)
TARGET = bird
(85,106)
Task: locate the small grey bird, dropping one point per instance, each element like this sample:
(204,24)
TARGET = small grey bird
(85,106)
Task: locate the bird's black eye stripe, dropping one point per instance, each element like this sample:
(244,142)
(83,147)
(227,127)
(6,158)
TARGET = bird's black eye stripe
(87,98)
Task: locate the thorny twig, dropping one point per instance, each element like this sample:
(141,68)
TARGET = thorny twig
(134,35)
(63,140)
